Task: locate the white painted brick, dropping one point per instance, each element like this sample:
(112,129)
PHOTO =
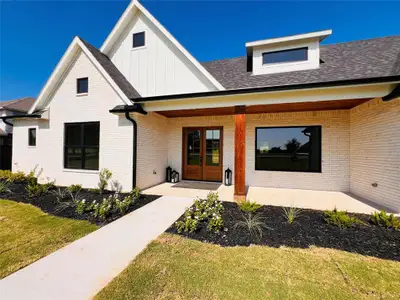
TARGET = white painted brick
(375,152)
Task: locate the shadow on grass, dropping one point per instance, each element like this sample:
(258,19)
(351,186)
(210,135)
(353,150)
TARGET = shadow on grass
(309,229)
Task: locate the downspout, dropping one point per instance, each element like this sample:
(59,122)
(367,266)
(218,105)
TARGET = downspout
(134,156)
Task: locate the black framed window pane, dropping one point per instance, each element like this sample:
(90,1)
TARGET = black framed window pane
(91,158)
(32,137)
(82,85)
(296,149)
(73,135)
(138,39)
(92,134)
(193,150)
(290,55)
(81,144)
(73,158)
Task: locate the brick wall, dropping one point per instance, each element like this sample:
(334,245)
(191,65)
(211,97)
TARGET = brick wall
(335,151)
(66,106)
(375,152)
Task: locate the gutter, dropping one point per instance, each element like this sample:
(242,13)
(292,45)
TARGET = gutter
(303,86)
(18,117)
(393,94)
(128,109)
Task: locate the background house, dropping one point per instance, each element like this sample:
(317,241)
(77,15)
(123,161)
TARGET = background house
(14,107)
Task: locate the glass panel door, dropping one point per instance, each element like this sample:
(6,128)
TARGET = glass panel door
(194,147)
(212,147)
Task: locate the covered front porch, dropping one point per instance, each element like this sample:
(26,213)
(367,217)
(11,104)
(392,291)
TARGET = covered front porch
(307,199)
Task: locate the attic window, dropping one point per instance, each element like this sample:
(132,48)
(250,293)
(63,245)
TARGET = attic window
(285,56)
(82,85)
(138,40)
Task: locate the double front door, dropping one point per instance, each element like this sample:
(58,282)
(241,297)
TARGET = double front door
(202,153)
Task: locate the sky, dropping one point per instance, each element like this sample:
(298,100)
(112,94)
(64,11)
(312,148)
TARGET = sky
(35,34)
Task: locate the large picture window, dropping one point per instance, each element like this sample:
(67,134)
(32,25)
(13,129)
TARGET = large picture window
(296,149)
(81,145)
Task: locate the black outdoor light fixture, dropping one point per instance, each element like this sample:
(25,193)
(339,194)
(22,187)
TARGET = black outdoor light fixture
(169,174)
(174,176)
(228,177)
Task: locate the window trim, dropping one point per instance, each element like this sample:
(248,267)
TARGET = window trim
(29,136)
(65,147)
(319,171)
(285,62)
(77,86)
(144,40)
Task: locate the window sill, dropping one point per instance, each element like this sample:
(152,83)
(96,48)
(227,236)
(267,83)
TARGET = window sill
(287,171)
(82,94)
(31,147)
(81,171)
(138,48)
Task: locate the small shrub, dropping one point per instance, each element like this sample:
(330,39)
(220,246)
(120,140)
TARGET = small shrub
(385,220)
(116,186)
(94,190)
(80,207)
(36,190)
(75,188)
(291,213)
(254,224)
(123,205)
(249,206)
(104,177)
(4,175)
(204,211)
(135,193)
(4,187)
(340,218)
(7,175)
(103,209)
(60,193)
(32,176)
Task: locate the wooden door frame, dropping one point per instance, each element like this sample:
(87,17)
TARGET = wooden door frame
(203,149)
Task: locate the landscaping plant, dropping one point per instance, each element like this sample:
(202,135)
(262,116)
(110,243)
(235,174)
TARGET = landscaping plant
(104,177)
(60,193)
(75,188)
(340,218)
(203,211)
(36,190)
(7,175)
(249,206)
(291,213)
(254,224)
(385,220)
(4,187)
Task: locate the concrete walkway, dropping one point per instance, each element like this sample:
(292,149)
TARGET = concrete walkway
(84,267)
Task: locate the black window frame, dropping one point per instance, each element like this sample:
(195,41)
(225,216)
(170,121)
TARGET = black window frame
(319,154)
(78,80)
(81,145)
(32,139)
(135,35)
(283,51)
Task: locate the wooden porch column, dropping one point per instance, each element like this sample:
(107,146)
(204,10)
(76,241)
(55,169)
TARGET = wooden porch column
(240,153)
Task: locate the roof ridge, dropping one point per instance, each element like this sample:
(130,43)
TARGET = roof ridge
(362,40)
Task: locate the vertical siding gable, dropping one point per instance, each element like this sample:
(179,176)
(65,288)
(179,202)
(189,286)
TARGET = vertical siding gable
(158,68)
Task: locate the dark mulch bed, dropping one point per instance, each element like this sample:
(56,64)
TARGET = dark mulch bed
(308,229)
(48,203)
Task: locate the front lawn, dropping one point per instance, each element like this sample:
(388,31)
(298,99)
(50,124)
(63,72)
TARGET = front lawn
(174,267)
(27,234)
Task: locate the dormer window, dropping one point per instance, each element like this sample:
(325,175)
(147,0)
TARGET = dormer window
(285,56)
(138,39)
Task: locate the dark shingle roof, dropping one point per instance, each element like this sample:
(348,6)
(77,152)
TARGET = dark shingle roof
(112,70)
(373,58)
(20,104)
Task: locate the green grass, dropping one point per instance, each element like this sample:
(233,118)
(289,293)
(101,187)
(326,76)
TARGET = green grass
(27,234)
(176,268)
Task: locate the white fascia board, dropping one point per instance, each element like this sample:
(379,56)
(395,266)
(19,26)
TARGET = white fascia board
(125,19)
(274,97)
(64,64)
(312,35)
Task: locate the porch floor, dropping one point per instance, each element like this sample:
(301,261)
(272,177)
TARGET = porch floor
(321,200)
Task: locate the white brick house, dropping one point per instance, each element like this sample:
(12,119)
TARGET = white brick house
(291,113)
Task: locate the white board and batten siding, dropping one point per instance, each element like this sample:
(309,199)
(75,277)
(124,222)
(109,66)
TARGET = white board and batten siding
(158,68)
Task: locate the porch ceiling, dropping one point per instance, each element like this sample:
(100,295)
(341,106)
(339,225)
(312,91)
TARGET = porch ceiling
(267,108)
